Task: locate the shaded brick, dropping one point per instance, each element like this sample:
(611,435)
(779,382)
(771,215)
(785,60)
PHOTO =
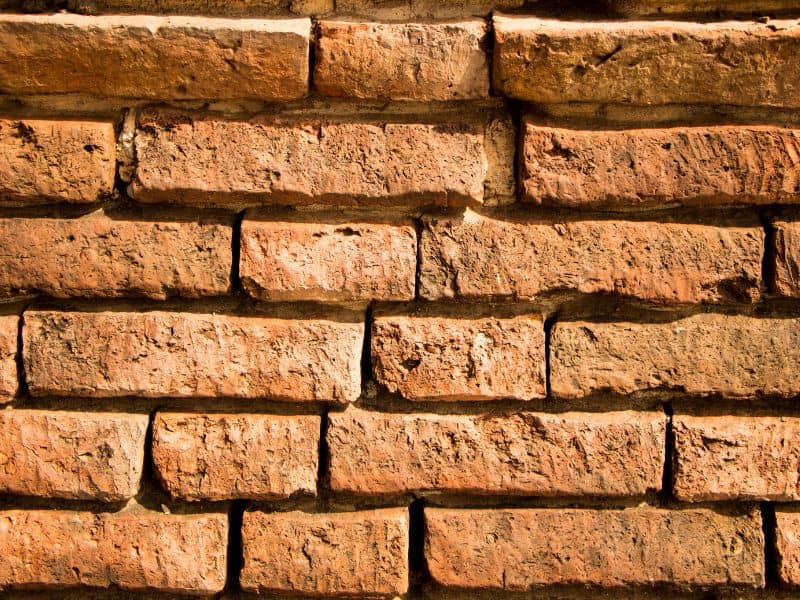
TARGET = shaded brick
(221,457)
(682,7)
(9,332)
(360,553)
(786,258)
(416,10)
(787,546)
(160,354)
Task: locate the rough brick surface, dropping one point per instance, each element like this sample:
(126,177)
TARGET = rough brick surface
(537,454)
(732,356)
(520,258)
(519,549)
(414,10)
(329,258)
(787,546)
(154,57)
(207,160)
(444,358)
(71,454)
(64,161)
(408,61)
(736,458)
(786,257)
(646,168)
(668,7)
(358,554)
(9,332)
(644,63)
(158,354)
(219,457)
(131,550)
(100,256)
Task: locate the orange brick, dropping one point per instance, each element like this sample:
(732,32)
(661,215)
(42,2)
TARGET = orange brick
(787,546)
(786,258)
(9,332)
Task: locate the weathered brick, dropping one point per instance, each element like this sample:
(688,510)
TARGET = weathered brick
(517,550)
(129,550)
(101,256)
(732,458)
(417,10)
(682,7)
(787,546)
(519,257)
(538,454)
(786,258)
(446,358)
(731,356)
(361,554)
(209,160)
(402,61)
(166,58)
(71,454)
(648,168)
(63,161)
(649,62)
(221,457)
(328,258)
(158,354)
(9,334)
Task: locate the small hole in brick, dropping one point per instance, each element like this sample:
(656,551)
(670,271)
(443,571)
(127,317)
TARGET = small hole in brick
(410,364)
(89,148)
(70,238)
(667,146)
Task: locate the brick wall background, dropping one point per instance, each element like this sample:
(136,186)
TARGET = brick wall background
(376,298)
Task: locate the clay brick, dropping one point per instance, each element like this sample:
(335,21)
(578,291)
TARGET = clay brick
(650,168)
(100,256)
(71,454)
(444,358)
(404,61)
(63,161)
(9,333)
(731,356)
(517,550)
(786,258)
(787,546)
(361,554)
(730,457)
(207,160)
(521,258)
(415,10)
(537,454)
(163,58)
(129,550)
(221,457)
(160,354)
(648,62)
(328,258)
(682,7)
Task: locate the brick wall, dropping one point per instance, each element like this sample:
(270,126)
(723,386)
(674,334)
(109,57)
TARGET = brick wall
(417,298)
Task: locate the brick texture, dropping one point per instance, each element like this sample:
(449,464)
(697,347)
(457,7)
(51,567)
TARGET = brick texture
(659,7)
(219,457)
(9,382)
(786,258)
(787,546)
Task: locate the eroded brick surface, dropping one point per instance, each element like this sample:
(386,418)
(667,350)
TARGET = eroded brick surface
(9,381)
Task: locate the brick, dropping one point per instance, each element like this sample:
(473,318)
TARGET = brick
(160,354)
(9,332)
(519,257)
(101,256)
(63,161)
(526,453)
(227,456)
(267,160)
(729,356)
(417,10)
(170,58)
(682,7)
(76,455)
(446,358)
(787,546)
(786,259)
(402,61)
(652,168)
(517,550)
(329,259)
(736,458)
(648,62)
(129,550)
(338,554)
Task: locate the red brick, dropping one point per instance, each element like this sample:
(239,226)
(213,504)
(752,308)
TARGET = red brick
(328,258)
(130,550)
(9,332)
(101,256)
(71,454)
(160,354)
(402,61)
(63,161)
(730,356)
(446,358)
(649,168)
(516,550)
(537,454)
(740,63)
(269,160)
(521,258)
(221,457)
(787,546)
(164,58)
(786,258)
(361,554)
